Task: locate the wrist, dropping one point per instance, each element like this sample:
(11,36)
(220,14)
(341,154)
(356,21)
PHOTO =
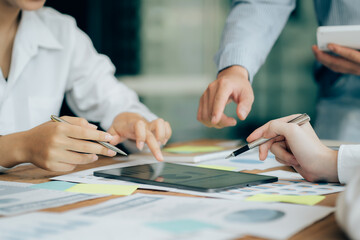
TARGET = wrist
(236,69)
(331,166)
(13,150)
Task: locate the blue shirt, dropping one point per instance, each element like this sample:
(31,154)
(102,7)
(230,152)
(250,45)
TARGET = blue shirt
(254,25)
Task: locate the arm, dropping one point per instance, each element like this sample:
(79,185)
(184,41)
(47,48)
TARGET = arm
(348,208)
(299,147)
(250,32)
(95,94)
(54,146)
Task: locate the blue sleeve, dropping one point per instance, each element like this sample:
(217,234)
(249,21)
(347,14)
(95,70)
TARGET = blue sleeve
(250,32)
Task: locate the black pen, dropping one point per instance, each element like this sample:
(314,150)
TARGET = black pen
(105,144)
(303,118)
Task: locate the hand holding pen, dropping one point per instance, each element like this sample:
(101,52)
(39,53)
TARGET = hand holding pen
(299,147)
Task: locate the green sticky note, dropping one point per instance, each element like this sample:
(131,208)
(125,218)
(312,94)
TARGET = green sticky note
(193,149)
(54,185)
(218,167)
(103,189)
(306,200)
(181,226)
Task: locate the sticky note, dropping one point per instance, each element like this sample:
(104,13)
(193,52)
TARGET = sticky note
(54,185)
(306,200)
(103,189)
(181,226)
(193,149)
(218,167)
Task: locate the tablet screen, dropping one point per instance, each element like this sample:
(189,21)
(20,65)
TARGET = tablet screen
(185,177)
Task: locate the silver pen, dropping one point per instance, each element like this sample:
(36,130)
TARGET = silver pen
(299,120)
(105,144)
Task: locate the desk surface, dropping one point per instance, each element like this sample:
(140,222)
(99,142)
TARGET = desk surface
(327,228)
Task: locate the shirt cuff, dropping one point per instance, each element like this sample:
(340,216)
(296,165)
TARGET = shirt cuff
(348,162)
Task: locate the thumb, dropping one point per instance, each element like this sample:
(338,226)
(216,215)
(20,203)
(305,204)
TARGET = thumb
(245,103)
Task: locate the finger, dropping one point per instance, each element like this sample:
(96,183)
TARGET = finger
(263,150)
(81,146)
(87,134)
(226,121)
(211,99)
(245,103)
(348,53)
(154,146)
(221,98)
(205,110)
(79,122)
(337,64)
(60,167)
(140,134)
(158,126)
(116,137)
(200,109)
(259,132)
(75,158)
(168,131)
(280,152)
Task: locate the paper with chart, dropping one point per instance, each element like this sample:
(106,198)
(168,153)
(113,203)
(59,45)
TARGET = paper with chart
(16,198)
(275,221)
(281,187)
(55,226)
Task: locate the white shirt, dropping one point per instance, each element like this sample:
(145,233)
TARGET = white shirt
(52,57)
(348,208)
(348,162)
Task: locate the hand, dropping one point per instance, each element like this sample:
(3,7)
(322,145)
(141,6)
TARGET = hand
(347,61)
(232,84)
(133,126)
(58,146)
(299,147)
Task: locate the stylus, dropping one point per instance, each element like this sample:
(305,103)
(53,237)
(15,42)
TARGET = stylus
(303,118)
(105,144)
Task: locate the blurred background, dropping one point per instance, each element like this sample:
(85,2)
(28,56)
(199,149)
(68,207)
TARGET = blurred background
(164,50)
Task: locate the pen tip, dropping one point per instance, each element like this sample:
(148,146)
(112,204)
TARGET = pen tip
(229,156)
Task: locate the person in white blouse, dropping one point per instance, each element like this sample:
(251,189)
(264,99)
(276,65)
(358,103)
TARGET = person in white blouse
(44,56)
(299,147)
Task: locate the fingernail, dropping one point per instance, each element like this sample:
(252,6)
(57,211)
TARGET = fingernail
(141,145)
(95,157)
(111,153)
(243,113)
(160,157)
(93,126)
(108,137)
(213,119)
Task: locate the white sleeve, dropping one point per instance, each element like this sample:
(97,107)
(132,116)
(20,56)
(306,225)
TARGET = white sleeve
(93,92)
(348,162)
(348,208)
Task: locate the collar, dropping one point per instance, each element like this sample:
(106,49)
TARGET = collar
(34,33)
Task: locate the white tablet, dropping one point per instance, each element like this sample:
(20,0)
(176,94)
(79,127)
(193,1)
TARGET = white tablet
(347,36)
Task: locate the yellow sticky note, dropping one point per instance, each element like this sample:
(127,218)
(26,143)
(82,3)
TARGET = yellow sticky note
(103,189)
(193,149)
(306,200)
(217,167)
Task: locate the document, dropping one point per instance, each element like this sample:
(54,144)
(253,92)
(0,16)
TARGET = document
(186,214)
(16,198)
(246,161)
(60,226)
(282,187)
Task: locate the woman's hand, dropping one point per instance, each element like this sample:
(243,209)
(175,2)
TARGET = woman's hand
(299,147)
(133,126)
(55,146)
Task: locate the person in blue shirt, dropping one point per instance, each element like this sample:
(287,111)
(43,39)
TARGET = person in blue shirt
(250,32)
